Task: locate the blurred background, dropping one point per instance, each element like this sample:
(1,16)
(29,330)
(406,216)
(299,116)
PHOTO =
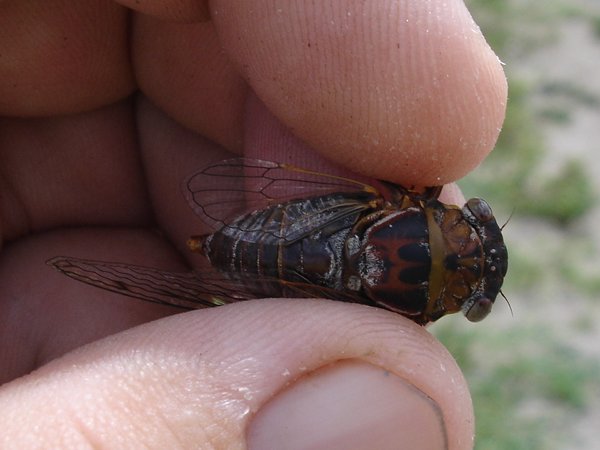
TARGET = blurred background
(535,374)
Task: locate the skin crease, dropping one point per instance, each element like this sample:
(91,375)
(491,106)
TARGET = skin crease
(407,91)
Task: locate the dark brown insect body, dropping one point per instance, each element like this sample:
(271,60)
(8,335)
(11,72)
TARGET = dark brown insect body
(315,235)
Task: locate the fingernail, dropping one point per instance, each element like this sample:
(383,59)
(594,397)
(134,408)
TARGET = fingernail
(349,405)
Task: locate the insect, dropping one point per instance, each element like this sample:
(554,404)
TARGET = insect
(284,231)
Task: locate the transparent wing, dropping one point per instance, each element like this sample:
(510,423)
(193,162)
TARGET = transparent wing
(229,189)
(189,290)
(182,289)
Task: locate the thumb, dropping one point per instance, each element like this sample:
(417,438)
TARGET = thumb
(262,374)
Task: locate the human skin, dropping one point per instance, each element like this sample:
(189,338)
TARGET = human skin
(406,91)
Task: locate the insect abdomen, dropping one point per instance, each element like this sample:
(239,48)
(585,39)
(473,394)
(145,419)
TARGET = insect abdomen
(247,246)
(254,246)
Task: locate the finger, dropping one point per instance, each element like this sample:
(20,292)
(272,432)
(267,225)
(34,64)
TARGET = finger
(60,57)
(201,89)
(171,153)
(44,314)
(405,91)
(267,138)
(80,169)
(173,10)
(252,373)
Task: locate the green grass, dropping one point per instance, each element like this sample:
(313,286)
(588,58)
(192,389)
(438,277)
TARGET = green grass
(527,386)
(563,198)
(510,177)
(595,25)
(577,264)
(569,93)
(514,28)
(524,271)
(557,114)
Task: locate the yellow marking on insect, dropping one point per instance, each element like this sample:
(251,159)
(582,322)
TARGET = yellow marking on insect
(437,249)
(217,301)
(374,204)
(194,243)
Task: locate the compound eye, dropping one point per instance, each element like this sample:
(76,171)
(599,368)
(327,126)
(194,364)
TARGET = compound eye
(479,310)
(480,209)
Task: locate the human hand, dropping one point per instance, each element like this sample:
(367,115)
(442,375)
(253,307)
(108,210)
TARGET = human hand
(407,92)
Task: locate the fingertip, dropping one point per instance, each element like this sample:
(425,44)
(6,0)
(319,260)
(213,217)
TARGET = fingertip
(452,195)
(267,138)
(406,91)
(349,405)
(210,378)
(272,347)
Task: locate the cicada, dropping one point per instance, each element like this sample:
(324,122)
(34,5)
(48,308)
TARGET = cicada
(285,231)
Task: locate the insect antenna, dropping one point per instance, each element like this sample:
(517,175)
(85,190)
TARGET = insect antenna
(509,217)
(507,302)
